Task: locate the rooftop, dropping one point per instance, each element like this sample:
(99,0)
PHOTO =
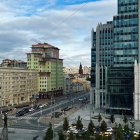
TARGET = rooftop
(44,45)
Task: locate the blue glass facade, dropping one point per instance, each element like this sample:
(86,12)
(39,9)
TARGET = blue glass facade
(117,48)
(120,89)
(121,75)
(93,59)
(126,33)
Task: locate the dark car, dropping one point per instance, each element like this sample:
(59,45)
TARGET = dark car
(65,108)
(36,107)
(19,113)
(57,114)
(25,110)
(22,112)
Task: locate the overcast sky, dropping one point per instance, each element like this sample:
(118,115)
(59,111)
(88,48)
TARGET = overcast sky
(65,24)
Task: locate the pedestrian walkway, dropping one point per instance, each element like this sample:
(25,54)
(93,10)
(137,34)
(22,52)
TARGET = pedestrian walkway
(85,113)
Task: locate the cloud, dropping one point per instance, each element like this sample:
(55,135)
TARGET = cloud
(45,22)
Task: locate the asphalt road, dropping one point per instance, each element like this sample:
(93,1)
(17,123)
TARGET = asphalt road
(31,120)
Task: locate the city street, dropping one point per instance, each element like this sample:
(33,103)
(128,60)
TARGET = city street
(36,123)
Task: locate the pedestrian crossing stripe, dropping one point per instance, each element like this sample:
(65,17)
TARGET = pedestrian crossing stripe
(23,118)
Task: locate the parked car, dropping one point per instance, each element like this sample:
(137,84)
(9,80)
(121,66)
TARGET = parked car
(25,110)
(109,129)
(22,112)
(19,113)
(31,109)
(65,108)
(56,114)
(42,105)
(35,107)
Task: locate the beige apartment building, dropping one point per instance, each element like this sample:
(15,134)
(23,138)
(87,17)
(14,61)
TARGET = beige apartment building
(17,85)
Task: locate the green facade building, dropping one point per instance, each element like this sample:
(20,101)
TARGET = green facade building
(45,59)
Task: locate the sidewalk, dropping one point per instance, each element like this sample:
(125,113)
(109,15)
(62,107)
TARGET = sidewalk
(84,113)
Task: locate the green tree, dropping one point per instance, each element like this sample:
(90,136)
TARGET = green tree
(91,127)
(125,120)
(112,118)
(65,124)
(49,133)
(132,136)
(119,133)
(99,137)
(88,78)
(86,136)
(61,136)
(99,118)
(79,124)
(71,136)
(126,129)
(103,126)
(139,134)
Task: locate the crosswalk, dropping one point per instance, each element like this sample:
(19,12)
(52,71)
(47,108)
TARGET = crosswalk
(23,125)
(23,118)
(33,121)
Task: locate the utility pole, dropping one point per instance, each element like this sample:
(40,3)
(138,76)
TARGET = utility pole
(90,110)
(4,133)
(53,119)
(53,114)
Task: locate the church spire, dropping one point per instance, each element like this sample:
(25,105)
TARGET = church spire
(80,69)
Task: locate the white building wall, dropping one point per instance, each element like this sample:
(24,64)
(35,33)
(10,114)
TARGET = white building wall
(136,95)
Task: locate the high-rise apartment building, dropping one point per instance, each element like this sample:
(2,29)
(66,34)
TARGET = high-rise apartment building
(45,59)
(126,49)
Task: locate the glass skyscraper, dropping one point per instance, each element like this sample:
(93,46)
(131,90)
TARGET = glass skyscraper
(125,50)
(126,26)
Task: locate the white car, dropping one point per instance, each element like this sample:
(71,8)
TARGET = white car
(109,129)
(42,105)
(75,131)
(71,129)
(31,109)
(135,132)
(68,131)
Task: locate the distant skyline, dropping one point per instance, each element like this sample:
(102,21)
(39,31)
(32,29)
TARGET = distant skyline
(65,24)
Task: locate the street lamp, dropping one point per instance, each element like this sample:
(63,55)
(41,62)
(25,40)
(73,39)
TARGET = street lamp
(1,105)
(53,114)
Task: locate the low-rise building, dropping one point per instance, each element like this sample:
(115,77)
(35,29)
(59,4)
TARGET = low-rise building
(13,63)
(17,85)
(67,84)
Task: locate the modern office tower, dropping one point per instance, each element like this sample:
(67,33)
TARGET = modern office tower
(101,59)
(126,51)
(45,59)
(126,33)
(120,90)
(17,85)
